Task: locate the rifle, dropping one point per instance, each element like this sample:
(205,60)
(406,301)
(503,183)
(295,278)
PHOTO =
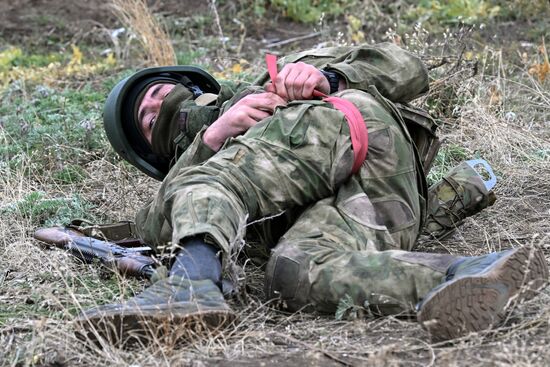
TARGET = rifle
(127,260)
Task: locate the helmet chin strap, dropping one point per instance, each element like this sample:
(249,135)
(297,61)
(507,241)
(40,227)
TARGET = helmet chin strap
(193,88)
(200,98)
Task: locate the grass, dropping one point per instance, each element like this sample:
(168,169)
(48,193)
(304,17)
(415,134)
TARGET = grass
(56,164)
(136,16)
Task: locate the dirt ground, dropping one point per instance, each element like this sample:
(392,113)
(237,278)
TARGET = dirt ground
(51,24)
(31,19)
(265,336)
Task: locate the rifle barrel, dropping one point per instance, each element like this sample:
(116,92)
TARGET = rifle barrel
(126,260)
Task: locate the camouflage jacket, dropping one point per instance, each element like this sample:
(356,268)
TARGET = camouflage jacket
(396,74)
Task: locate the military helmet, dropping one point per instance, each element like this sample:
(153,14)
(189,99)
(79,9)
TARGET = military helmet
(119,113)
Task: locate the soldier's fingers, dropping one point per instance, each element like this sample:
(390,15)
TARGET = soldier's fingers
(266,101)
(269,87)
(313,82)
(254,100)
(259,115)
(243,118)
(293,90)
(300,86)
(248,123)
(305,71)
(280,82)
(272,101)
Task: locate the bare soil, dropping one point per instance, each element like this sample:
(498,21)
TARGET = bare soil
(60,18)
(52,24)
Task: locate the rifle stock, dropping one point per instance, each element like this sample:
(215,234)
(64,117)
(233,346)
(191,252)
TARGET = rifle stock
(128,261)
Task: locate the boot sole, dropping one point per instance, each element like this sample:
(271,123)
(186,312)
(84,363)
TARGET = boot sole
(149,324)
(477,302)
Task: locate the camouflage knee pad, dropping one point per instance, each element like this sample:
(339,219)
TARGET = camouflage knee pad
(458,195)
(286,278)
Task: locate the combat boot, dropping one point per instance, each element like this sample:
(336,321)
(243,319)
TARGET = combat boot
(462,193)
(176,306)
(478,291)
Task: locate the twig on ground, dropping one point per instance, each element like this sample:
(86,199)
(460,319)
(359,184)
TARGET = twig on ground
(293,39)
(311,347)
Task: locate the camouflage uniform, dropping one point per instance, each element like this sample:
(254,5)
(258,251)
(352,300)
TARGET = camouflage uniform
(354,233)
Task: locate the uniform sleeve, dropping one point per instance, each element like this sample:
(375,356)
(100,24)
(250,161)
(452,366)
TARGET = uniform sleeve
(196,153)
(397,74)
(151,225)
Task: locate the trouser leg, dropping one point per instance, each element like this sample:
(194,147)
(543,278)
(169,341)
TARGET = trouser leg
(326,256)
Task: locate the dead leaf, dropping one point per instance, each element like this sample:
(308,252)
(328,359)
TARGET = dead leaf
(236,69)
(496,95)
(543,69)
(540,70)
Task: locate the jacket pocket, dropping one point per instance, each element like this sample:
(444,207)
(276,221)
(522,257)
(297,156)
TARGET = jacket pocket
(394,213)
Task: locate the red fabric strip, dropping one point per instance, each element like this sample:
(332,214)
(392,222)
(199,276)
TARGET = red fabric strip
(271,61)
(358,128)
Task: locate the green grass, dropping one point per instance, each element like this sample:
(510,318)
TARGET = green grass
(60,128)
(37,207)
(453,11)
(15,57)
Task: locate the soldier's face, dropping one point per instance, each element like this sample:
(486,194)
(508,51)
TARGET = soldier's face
(149,107)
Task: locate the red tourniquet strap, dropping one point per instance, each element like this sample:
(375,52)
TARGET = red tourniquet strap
(357,126)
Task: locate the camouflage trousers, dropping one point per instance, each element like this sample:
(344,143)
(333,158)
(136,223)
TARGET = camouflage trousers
(353,237)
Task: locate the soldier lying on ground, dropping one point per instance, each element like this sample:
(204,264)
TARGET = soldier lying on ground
(246,153)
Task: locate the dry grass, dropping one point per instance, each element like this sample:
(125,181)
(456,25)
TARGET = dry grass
(157,47)
(42,290)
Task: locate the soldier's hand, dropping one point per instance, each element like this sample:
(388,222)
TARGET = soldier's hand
(240,117)
(298,81)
